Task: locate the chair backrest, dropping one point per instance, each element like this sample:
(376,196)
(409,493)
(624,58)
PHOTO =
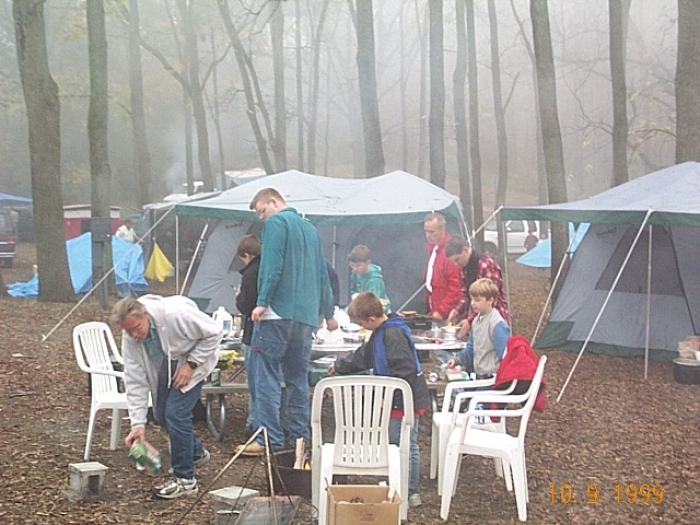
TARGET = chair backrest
(531,394)
(93,343)
(362,409)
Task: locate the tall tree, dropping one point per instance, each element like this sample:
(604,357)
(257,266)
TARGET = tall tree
(279,142)
(423,22)
(98,121)
(549,117)
(436,121)
(371,126)
(458,86)
(618,11)
(195,92)
(43,119)
(498,109)
(142,160)
(474,152)
(299,86)
(688,82)
(315,82)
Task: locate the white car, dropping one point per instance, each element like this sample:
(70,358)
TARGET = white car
(517,232)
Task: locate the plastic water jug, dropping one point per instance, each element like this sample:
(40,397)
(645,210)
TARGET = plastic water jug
(224,319)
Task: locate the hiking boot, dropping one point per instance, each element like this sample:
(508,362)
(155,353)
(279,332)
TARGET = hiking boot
(176,488)
(414,500)
(253,449)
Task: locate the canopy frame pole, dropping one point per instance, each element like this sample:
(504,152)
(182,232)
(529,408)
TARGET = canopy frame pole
(194,257)
(104,277)
(504,237)
(605,303)
(648,328)
(570,254)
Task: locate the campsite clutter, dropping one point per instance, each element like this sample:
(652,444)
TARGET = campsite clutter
(385,213)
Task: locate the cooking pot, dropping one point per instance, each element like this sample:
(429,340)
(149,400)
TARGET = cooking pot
(449,334)
(686,371)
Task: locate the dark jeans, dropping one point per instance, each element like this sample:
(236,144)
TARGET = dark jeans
(174,413)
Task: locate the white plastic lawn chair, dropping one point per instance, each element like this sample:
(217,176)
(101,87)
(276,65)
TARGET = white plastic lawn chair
(93,343)
(362,407)
(467,438)
(450,415)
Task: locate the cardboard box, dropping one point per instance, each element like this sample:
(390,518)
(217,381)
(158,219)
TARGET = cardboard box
(372,505)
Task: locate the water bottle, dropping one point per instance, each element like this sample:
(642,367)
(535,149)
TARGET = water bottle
(479,420)
(224,319)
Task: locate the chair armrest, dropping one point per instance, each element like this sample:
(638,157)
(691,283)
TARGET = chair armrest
(461,384)
(119,375)
(480,394)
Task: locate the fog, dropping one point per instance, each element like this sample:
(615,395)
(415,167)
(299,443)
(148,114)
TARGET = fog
(580,33)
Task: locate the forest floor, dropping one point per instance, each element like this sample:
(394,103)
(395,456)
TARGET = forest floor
(611,430)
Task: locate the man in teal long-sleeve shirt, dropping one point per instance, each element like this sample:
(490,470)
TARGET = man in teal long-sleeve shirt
(294,295)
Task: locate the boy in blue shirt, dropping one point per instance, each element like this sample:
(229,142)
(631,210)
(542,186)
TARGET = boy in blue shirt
(488,336)
(389,352)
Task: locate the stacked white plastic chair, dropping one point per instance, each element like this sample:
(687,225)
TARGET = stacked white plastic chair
(468,439)
(360,445)
(451,414)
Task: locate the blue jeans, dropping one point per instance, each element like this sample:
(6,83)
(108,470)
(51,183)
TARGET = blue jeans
(414,461)
(280,354)
(174,413)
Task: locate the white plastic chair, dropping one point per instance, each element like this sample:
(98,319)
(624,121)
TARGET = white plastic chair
(450,415)
(93,343)
(362,407)
(467,438)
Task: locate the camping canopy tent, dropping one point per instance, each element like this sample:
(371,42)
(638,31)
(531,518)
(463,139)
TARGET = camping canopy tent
(385,213)
(646,309)
(14,200)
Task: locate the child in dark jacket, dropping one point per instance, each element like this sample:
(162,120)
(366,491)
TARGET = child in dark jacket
(246,298)
(389,352)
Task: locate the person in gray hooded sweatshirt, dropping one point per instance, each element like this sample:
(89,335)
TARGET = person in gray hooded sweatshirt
(169,348)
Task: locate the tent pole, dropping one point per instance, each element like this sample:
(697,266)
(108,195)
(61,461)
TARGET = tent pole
(605,303)
(194,257)
(552,288)
(504,236)
(177,253)
(646,341)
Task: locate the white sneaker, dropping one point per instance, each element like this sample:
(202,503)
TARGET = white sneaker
(414,500)
(176,488)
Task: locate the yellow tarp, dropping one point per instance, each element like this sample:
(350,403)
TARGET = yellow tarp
(158,266)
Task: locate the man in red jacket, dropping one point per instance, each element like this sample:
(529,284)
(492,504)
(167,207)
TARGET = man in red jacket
(442,282)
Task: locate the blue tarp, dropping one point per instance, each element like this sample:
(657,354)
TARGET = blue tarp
(541,255)
(127,257)
(13,200)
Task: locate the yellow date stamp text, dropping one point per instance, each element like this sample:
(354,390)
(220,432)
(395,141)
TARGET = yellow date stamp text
(619,493)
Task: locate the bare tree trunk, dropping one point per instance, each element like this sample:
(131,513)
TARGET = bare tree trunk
(189,143)
(279,142)
(248,89)
(436,121)
(551,131)
(499,110)
(423,102)
(217,114)
(3,288)
(542,195)
(313,99)
(43,119)
(459,84)
(619,19)
(300,91)
(98,120)
(138,120)
(194,90)
(688,82)
(371,126)
(475,154)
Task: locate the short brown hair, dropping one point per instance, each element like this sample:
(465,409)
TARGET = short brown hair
(364,306)
(442,222)
(264,195)
(455,246)
(248,245)
(126,308)
(483,288)
(359,253)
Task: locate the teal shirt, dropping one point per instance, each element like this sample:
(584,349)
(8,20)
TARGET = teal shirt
(293,279)
(371,281)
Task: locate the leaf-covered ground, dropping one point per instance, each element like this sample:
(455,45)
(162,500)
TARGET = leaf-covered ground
(611,429)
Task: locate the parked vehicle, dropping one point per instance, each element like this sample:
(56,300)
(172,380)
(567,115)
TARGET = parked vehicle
(7,238)
(517,232)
